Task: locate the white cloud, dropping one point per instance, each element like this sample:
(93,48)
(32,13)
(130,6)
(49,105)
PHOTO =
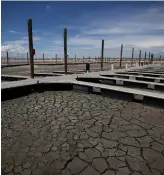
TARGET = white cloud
(35,38)
(13,49)
(17,47)
(36,31)
(141,22)
(16,32)
(89,46)
(48,7)
(142,41)
(140,30)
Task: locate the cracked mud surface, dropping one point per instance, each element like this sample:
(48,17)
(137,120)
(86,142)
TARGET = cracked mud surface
(55,133)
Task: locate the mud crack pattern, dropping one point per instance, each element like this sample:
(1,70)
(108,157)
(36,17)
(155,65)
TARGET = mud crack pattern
(54,133)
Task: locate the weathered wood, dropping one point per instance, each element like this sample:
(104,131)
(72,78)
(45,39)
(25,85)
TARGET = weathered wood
(152,57)
(43,57)
(65,50)
(102,54)
(132,56)
(121,56)
(27,58)
(145,57)
(56,58)
(139,57)
(30,37)
(7,58)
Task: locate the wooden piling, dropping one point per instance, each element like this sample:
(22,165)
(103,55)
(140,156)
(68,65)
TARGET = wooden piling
(121,56)
(132,57)
(43,57)
(65,50)
(102,54)
(149,58)
(56,58)
(30,37)
(7,58)
(145,57)
(139,57)
(27,58)
(152,56)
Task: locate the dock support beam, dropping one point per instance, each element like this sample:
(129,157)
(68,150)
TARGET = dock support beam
(30,37)
(65,50)
(102,54)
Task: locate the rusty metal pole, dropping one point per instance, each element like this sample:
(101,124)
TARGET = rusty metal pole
(102,54)
(31,47)
(132,57)
(121,56)
(7,58)
(65,49)
(139,57)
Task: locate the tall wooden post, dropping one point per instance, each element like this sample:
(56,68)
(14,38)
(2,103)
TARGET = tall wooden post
(89,58)
(56,58)
(75,58)
(145,57)
(7,58)
(27,58)
(65,49)
(152,56)
(102,54)
(121,56)
(43,57)
(132,57)
(139,57)
(31,47)
(83,59)
(160,58)
(149,58)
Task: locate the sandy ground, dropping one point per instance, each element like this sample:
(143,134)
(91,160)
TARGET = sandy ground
(25,70)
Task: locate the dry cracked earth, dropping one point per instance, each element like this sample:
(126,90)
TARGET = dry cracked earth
(62,132)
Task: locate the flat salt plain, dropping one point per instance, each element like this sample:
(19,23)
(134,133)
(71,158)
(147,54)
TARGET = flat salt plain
(74,68)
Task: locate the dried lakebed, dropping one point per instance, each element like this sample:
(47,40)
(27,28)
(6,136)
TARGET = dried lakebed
(65,132)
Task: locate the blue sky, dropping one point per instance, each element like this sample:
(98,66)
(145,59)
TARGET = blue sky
(134,24)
